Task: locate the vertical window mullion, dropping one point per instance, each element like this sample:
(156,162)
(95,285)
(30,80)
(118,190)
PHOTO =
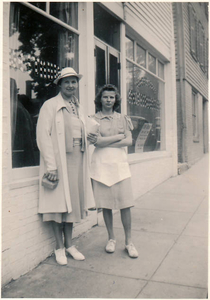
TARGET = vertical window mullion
(48,7)
(107,65)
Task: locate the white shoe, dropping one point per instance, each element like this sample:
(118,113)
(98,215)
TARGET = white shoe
(110,247)
(132,252)
(75,253)
(60,256)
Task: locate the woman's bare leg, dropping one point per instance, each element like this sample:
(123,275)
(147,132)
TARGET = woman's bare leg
(126,221)
(68,229)
(58,232)
(108,219)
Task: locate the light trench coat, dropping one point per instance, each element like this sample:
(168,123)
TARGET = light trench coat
(51,143)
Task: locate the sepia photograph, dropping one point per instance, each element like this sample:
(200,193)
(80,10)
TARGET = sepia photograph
(105,149)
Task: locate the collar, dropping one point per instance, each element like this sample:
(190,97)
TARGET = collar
(101,116)
(62,103)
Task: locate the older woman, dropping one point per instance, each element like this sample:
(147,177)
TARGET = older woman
(109,168)
(62,143)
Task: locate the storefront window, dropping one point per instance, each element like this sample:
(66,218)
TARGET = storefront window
(145,94)
(66,12)
(39,48)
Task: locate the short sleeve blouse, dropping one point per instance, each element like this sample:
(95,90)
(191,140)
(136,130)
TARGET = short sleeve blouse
(112,125)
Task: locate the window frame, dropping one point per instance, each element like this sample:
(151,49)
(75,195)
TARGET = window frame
(25,175)
(148,52)
(49,16)
(107,50)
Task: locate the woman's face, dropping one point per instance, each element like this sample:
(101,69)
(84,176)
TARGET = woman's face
(68,86)
(108,99)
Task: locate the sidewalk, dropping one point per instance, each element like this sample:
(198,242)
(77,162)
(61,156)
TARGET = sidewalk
(169,228)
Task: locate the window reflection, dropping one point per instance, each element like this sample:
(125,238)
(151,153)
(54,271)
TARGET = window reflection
(66,12)
(129,48)
(39,48)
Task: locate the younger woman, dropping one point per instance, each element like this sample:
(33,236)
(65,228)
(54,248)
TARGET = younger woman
(109,168)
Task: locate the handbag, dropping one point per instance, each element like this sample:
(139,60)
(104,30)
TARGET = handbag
(48,183)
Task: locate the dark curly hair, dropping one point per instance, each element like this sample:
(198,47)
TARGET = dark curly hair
(108,87)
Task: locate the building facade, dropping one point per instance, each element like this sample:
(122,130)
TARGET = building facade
(191,43)
(127,44)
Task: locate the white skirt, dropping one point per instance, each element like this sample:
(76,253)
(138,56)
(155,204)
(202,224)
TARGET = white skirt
(117,196)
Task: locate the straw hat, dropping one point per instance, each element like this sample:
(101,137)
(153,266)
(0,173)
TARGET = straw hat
(66,72)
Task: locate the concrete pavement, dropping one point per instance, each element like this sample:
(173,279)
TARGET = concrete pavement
(170,231)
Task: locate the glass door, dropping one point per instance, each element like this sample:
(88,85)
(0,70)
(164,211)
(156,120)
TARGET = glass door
(100,65)
(114,66)
(107,65)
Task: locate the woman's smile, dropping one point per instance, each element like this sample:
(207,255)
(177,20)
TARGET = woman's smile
(68,86)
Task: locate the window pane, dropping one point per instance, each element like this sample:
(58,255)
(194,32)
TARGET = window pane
(141,56)
(129,48)
(113,67)
(160,70)
(41,5)
(145,96)
(39,48)
(152,63)
(66,12)
(100,68)
(106,27)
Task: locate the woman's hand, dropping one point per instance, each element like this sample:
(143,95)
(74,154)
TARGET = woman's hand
(52,175)
(121,136)
(92,138)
